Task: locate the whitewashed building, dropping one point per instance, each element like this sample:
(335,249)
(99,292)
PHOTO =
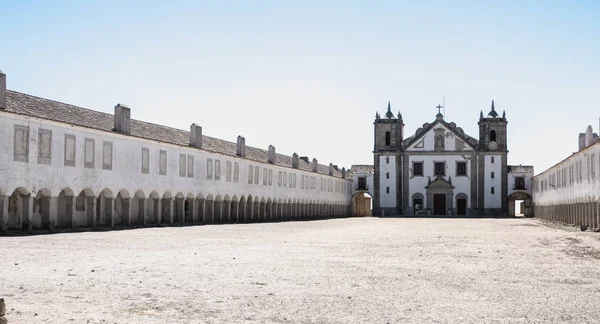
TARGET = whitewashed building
(64,166)
(440,170)
(569,191)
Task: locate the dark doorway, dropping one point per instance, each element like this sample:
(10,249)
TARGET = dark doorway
(439,204)
(461,207)
(418,206)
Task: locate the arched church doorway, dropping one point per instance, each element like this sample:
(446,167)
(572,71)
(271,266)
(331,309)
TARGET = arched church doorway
(362,204)
(440,193)
(519,204)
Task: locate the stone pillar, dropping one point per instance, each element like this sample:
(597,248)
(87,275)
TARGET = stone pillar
(3,212)
(142,211)
(28,206)
(91,211)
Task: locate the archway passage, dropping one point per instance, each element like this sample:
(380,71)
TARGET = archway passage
(362,205)
(519,204)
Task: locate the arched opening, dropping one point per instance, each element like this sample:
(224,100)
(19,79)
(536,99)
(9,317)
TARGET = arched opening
(388,138)
(362,204)
(256,212)
(154,208)
(242,210)
(209,208)
(66,209)
(189,208)
(138,208)
(234,209)
(18,209)
(104,209)
(85,208)
(269,210)
(41,210)
(167,208)
(226,215)
(201,209)
(418,203)
(179,212)
(492,135)
(461,204)
(519,204)
(218,216)
(122,208)
(262,210)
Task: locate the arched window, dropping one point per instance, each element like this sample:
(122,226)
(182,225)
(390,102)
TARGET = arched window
(492,135)
(388,138)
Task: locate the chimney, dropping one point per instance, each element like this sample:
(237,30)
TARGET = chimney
(581,141)
(304,158)
(315,165)
(241,146)
(271,154)
(196,136)
(589,136)
(330,169)
(295,161)
(2,90)
(122,119)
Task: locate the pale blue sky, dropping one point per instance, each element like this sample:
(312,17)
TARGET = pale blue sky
(308,76)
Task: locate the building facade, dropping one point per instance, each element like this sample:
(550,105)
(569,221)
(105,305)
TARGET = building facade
(569,191)
(69,167)
(440,170)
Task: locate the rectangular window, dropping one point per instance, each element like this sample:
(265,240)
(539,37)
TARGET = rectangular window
(418,169)
(387,160)
(21,144)
(492,160)
(492,175)
(270,177)
(439,168)
(279,178)
(236,172)
(265,176)
(145,160)
(493,190)
(209,168)
(294,178)
(250,174)
(285,179)
(69,150)
(387,175)
(162,162)
(461,168)
(593,165)
(301,182)
(256,174)
(387,190)
(107,155)
(190,166)
(182,165)
(519,183)
(217,169)
(44,146)
(228,171)
(362,183)
(89,145)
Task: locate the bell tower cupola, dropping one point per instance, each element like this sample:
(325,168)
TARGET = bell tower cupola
(492,131)
(389,131)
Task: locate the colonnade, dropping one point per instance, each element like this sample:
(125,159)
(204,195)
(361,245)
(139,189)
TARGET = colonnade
(585,212)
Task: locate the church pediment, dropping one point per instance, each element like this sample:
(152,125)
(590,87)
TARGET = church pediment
(440,136)
(439,183)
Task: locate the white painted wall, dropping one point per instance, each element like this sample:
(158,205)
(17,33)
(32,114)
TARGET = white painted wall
(492,200)
(387,199)
(528,176)
(126,173)
(417,184)
(369,178)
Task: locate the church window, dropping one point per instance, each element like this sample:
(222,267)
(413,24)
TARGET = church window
(492,175)
(387,138)
(492,159)
(492,135)
(440,168)
(387,190)
(417,168)
(461,168)
(387,175)
(493,190)
(387,160)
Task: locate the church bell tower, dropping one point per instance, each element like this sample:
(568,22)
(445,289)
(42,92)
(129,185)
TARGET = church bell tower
(388,134)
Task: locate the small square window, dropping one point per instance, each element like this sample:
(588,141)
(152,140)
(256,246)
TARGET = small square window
(461,168)
(417,168)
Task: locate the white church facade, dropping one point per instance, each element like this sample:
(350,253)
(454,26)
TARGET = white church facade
(441,171)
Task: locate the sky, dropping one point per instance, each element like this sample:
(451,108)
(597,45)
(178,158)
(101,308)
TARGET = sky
(309,76)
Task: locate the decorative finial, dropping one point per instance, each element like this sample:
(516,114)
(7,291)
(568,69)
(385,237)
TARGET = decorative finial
(389,106)
(480,114)
(389,114)
(493,105)
(399,116)
(503,114)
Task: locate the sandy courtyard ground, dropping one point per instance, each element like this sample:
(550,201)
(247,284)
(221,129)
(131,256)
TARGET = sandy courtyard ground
(358,270)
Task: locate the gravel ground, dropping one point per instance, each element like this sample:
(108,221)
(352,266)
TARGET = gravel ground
(358,270)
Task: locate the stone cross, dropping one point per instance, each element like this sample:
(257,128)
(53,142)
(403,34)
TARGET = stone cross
(439,107)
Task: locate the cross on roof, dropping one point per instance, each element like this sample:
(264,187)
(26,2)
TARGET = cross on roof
(439,107)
